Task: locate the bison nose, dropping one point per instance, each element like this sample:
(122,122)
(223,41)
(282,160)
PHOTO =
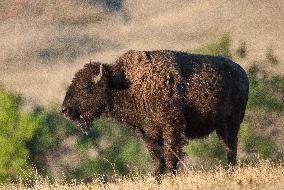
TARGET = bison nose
(63,109)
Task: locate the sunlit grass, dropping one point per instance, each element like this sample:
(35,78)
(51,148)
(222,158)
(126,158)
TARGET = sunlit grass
(264,175)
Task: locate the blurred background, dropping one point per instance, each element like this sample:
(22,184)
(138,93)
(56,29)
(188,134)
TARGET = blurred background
(43,44)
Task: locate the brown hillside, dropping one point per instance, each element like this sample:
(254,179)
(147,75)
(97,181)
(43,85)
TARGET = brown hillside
(44,43)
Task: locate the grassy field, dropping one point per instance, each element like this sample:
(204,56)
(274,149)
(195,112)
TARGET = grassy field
(263,176)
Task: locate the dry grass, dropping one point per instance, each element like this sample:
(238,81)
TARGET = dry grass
(262,176)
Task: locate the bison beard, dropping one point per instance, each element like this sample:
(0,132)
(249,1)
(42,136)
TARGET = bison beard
(168,96)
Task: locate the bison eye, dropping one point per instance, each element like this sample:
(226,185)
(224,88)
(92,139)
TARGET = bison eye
(90,88)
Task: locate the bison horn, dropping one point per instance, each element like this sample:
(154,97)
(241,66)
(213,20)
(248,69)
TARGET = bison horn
(98,78)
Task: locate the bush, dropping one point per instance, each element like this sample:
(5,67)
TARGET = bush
(250,142)
(111,5)
(67,48)
(271,57)
(16,130)
(220,47)
(242,50)
(265,92)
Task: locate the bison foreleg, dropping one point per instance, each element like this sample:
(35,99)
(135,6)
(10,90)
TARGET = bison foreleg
(155,148)
(173,145)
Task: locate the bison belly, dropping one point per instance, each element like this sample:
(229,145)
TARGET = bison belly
(198,126)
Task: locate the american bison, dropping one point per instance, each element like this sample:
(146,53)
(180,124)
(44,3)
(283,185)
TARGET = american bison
(168,96)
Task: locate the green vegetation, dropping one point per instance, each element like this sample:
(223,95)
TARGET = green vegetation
(265,92)
(16,130)
(31,139)
(120,151)
(271,57)
(257,144)
(242,50)
(219,47)
(207,148)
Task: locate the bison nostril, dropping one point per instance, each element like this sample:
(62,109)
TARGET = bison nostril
(63,109)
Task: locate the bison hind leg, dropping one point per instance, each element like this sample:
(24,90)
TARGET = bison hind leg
(228,133)
(155,148)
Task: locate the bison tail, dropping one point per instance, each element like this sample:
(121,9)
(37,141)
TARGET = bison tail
(245,94)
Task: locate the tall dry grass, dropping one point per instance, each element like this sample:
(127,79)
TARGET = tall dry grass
(262,176)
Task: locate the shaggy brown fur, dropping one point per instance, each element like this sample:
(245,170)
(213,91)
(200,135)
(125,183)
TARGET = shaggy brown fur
(168,96)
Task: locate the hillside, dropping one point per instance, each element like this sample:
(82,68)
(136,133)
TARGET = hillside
(48,41)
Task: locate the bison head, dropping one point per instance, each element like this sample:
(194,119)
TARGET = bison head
(86,97)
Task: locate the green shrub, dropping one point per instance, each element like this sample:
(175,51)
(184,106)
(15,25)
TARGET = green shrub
(212,148)
(265,92)
(257,144)
(242,50)
(220,47)
(16,129)
(271,57)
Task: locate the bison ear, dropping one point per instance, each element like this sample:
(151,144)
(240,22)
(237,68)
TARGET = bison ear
(98,78)
(118,82)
